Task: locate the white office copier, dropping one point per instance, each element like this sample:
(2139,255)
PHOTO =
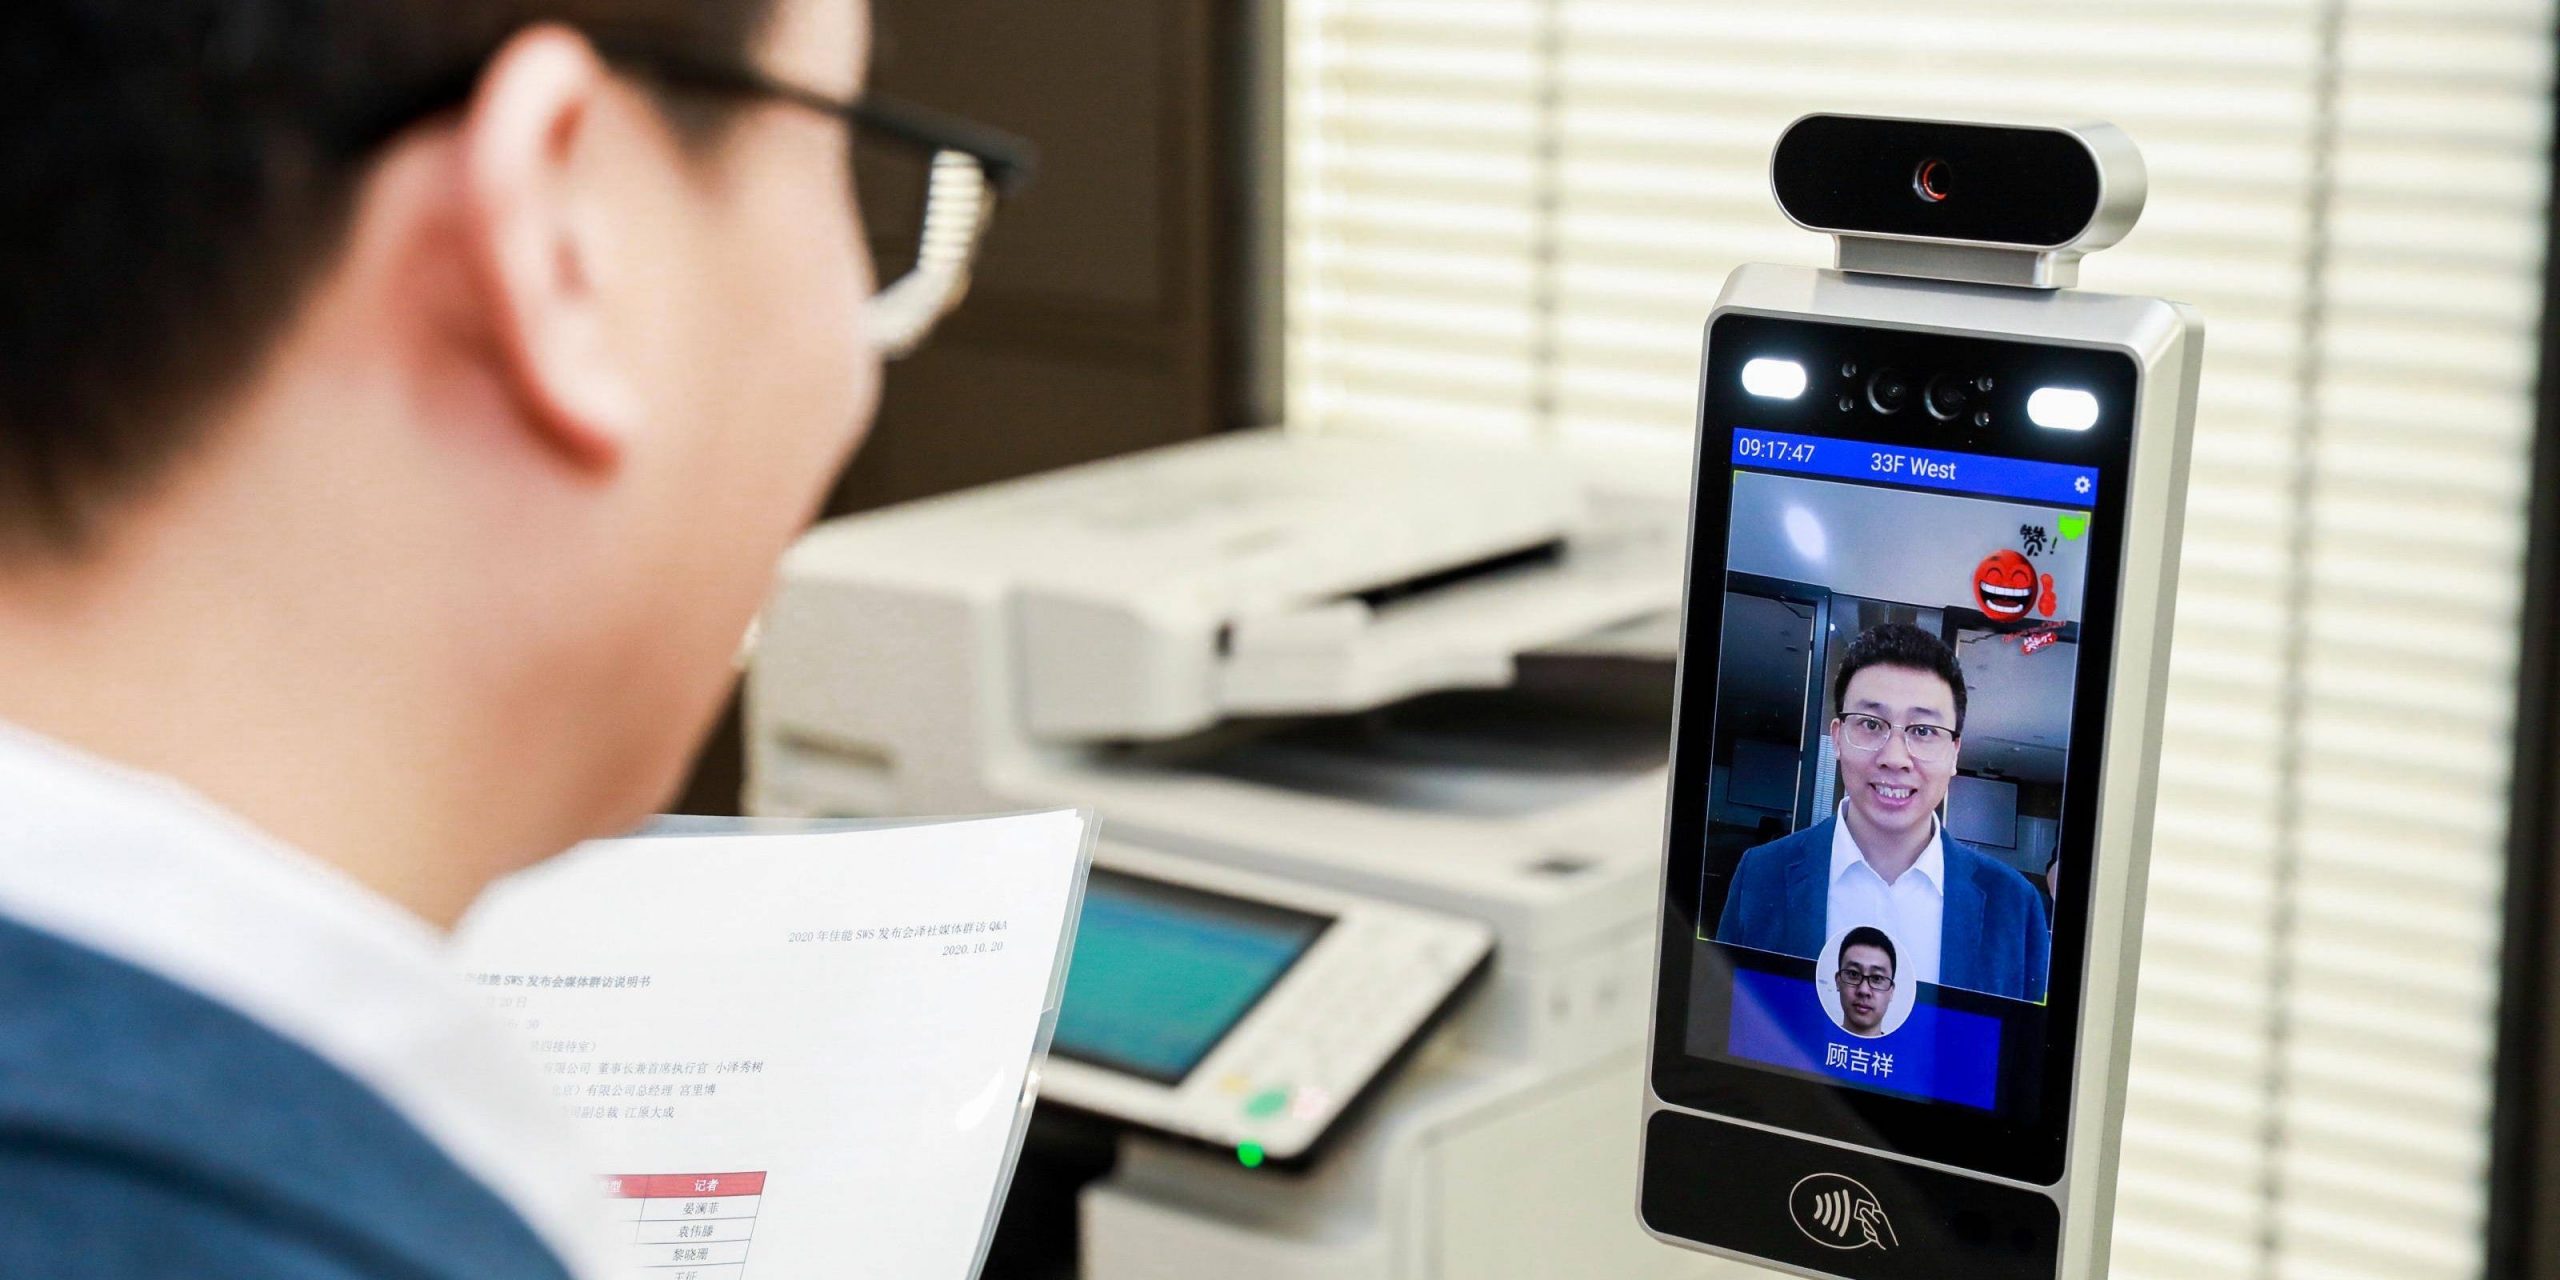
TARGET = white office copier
(1377,730)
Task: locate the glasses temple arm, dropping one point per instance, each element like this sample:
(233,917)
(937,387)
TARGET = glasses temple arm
(1009,161)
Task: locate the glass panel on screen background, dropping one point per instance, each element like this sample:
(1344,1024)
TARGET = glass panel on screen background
(1893,710)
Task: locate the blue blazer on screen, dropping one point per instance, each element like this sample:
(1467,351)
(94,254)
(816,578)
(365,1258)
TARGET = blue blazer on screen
(1995,937)
(148,1133)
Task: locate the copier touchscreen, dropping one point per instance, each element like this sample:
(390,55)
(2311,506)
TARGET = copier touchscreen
(1162,972)
(1889,767)
(1241,1012)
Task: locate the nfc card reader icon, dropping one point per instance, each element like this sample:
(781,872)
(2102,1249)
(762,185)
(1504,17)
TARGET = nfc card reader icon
(1838,1212)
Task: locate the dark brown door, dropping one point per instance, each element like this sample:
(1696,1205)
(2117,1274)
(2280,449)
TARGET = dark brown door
(1111,302)
(1101,321)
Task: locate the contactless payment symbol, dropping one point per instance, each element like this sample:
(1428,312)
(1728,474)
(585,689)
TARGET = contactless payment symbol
(1838,1212)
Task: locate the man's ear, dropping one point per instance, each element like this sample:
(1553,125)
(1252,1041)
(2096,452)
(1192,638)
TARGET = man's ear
(533,243)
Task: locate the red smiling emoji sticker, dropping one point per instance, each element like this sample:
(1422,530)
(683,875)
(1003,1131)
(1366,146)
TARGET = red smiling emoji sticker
(2008,588)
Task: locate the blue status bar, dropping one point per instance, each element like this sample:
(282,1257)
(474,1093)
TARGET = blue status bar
(1975,473)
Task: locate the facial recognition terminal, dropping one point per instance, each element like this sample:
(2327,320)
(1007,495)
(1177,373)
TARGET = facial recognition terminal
(1932,557)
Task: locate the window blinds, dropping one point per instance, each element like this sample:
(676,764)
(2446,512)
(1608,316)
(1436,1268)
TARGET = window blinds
(1507,219)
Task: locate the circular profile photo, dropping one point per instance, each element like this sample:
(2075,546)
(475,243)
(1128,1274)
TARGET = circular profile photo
(1859,979)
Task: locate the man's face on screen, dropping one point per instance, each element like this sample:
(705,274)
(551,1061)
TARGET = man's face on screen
(1892,793)
(1866,986)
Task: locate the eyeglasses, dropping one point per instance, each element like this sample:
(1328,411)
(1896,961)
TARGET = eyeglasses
(1929,742)
(967,169)
(1879,981)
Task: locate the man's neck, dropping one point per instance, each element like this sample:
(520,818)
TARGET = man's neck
(298,780)
(278,685)
(1889,854)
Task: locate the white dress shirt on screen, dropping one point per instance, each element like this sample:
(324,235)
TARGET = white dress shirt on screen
(1911,910)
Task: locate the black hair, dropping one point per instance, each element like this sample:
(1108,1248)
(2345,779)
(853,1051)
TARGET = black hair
(1867,935)
(1899,644)
(175,175)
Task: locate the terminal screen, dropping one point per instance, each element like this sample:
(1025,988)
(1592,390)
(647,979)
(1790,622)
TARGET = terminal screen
(1891,738)
(1880,856)
(1163,972)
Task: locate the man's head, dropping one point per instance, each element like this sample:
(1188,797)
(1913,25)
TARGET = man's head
(468,374)
(1899,711)
(182,174)
(1865,979)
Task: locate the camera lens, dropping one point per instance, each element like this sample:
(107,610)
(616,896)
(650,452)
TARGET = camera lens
(1889,391)
(1931,181)
(1949,397)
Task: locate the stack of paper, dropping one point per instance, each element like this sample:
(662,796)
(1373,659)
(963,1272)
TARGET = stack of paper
(795,1055)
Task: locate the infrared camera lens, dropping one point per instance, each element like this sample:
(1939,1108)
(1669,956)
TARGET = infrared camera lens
(1889,391)
(1931,181)
(1949,397)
